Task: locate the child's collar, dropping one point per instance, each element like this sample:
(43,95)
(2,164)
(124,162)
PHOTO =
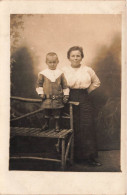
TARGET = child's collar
(51,74)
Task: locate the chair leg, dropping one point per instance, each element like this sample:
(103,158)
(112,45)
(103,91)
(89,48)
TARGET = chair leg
(72,150)
(63,155)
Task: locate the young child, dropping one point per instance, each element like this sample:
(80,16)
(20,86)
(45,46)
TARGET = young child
(52,88)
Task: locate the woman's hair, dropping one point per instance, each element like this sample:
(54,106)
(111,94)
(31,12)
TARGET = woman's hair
(74,49)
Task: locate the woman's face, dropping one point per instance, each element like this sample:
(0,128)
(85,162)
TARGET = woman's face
(75,58)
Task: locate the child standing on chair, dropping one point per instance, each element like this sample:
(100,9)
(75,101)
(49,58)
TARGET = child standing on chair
(52,88)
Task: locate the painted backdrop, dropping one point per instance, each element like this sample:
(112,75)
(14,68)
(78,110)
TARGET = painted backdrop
(32,36)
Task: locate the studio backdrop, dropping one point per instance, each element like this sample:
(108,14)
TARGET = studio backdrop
(33,36)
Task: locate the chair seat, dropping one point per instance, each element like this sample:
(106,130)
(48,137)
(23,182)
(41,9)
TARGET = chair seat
(38,132)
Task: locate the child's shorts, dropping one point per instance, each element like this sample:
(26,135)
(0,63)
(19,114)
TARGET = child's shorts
(52,112)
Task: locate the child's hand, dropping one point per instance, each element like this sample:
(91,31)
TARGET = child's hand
(65,99)
(42,96)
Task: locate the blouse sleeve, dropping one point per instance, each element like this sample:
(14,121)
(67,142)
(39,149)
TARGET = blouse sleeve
(64,85)
(39,88)
(95,82)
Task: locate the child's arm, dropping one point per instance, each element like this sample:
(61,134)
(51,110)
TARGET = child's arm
(39,88)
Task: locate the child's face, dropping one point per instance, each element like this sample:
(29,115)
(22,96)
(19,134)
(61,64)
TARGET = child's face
(52,62)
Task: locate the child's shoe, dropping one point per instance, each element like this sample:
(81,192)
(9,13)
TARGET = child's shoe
(46,125)
(57,128)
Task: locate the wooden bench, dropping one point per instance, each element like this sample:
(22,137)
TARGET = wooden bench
(62,136)
(37,132)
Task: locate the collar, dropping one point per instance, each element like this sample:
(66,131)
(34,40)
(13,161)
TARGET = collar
(52,75)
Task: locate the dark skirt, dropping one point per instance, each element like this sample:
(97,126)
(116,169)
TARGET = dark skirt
(85,145)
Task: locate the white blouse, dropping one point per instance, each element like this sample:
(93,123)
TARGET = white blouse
(81,78)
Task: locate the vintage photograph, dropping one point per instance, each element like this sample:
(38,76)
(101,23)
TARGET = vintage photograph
(65,100)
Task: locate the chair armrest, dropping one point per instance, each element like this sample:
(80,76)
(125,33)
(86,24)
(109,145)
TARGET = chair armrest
(74,103)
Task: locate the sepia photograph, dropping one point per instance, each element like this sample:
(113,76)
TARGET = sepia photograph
(65,99)
(62,97)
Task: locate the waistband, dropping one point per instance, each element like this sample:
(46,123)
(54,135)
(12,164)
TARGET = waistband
(79,91)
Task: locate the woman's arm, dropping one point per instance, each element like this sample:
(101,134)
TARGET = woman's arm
(95,82)
(64,85)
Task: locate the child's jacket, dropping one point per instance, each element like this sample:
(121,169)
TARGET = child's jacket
(53,85)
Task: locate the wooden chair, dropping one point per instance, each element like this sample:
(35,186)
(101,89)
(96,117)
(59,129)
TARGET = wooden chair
(65,135)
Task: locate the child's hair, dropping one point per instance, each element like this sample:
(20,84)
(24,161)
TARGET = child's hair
(74,49)
(51,54)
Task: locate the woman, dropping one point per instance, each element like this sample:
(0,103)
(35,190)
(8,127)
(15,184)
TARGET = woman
(82,80)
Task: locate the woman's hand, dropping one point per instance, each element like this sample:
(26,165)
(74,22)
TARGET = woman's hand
(89,90)
(65,99)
